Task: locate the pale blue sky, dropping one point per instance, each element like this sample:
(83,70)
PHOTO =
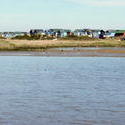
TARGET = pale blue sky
(21,15)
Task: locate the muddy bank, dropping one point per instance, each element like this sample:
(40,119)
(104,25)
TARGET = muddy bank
(70,52)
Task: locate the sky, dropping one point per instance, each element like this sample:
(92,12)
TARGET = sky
(22,15)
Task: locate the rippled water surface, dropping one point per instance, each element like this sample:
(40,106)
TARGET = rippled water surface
(62,91)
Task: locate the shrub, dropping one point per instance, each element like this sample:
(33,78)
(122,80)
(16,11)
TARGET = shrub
(123,39)
(73,37)
(33,37)
(2,37)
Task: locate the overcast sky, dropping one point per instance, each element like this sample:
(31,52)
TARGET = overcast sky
(21,15)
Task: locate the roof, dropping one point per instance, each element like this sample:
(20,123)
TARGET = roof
(78,30)
(120,31)
(66,30)
(61,30)
(55,30)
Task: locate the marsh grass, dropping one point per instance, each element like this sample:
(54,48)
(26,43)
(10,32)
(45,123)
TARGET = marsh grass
(35,45)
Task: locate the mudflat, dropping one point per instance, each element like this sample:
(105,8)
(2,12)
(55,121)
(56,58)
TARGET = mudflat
(101,48)
(70,52)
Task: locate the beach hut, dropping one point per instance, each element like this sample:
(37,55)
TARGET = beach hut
(55,32)
(59,32)
(81,32)
(120,33)
(95,33)
(12,34)
(110,34)
(37,32)
(65,32)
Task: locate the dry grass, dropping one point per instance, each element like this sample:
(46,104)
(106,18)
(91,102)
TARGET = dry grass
(44,44)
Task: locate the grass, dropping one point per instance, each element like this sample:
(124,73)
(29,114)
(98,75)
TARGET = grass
(79,38)
(41,45)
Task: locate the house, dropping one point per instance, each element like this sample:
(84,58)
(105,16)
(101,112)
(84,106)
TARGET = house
(37,32)
(95,33)
(79,32)
(7,34)
(102,34)
(58,32)
(66,32)
(88,32)
(54,32)
(120,33)
(110,34)
(12,34)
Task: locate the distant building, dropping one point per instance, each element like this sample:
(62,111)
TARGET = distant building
(80,32)
(102,34)
(59,32)
(37,32)
(54,32)
(12,34)
(120,33)
(87,32)
(66,32)
(110,34)
(95,33)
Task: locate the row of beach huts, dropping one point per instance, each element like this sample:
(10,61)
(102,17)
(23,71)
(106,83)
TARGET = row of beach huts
(66,32)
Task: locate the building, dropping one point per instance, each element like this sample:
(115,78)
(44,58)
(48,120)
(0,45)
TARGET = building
(95,33)
(37,32)
(66,32)
(79,32)
(12,34)
(120,33)
(110,34)
(58,32)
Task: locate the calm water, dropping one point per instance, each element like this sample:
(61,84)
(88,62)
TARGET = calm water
(90,48)
(62,91)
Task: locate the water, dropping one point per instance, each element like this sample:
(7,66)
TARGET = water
(71,52)
(90,48)
(62,91)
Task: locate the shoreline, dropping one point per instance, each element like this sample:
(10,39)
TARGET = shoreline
(70,52)
(62,48)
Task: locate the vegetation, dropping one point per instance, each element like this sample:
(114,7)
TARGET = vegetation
(123,39)
(2,37)
(73,37)
(45,37)
(41,45)
(33,37)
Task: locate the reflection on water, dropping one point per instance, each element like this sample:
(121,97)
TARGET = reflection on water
(62,91)
(90,48)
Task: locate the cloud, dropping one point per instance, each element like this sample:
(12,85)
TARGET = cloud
(108,3)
